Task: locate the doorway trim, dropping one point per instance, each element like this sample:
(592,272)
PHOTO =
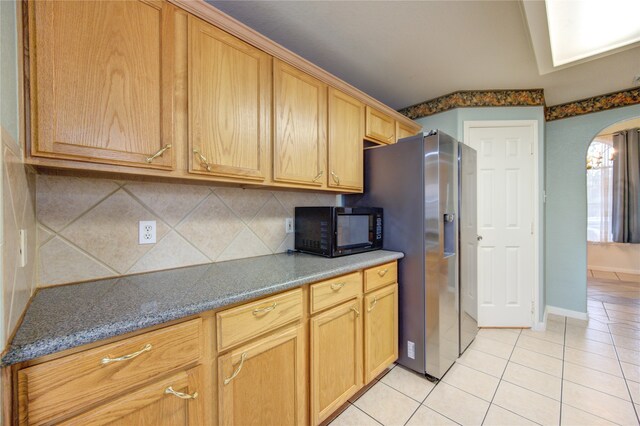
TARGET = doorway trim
(538,172)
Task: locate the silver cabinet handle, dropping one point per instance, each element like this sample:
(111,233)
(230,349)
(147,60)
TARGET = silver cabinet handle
(203,160)
(383,272)
(354,309)
(180,395)
(265,309)
(373,305)
(337,286)
(159,153)
(335,177)
(235,373)
(108,360)
(318,176)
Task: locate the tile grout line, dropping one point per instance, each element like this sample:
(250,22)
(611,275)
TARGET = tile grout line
(564,349)
(500,381)
(626,382)
(361,410)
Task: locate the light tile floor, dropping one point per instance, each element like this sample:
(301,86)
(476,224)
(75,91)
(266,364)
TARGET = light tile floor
(574,373)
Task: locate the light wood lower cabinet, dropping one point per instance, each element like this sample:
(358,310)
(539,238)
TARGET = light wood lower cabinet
(264,382)
(380,330)
(291,358)
(336,358)
(174,401)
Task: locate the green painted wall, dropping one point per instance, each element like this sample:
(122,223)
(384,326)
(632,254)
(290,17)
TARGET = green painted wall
(567,141)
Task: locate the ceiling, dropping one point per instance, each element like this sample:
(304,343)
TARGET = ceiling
(406,52)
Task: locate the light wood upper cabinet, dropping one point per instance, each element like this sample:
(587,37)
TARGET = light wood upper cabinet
(264,382)
(174,401)
(336,358)
(404,131)
(102,81)
(300,122)
(346,132)
(380,330)
(379,126)
(229,104)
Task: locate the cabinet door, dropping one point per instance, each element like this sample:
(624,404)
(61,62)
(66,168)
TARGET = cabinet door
(380,330)
(380,127)
(263,383)
(102,81)
(229,104)
(346,132)
(403,131)
(174,401)
(300,121)
(336,358)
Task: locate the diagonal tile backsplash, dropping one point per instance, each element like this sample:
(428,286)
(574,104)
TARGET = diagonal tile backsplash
(88,228)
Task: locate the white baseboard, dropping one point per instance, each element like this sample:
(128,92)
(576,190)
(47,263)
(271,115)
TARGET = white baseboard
(540,326)
(564,312)
(610,269)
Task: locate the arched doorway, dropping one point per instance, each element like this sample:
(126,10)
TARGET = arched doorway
(613,268)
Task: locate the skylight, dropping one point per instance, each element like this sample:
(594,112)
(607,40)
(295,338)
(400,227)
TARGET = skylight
(582,28)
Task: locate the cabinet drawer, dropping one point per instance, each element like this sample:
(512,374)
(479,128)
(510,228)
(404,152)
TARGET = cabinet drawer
(243,322)
(59,387)
(379,276)
(334,291)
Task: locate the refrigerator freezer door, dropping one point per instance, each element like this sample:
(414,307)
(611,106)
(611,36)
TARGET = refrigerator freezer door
(393,174)
(441,253)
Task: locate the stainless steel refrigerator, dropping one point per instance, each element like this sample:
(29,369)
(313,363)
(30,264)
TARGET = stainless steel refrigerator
(427,188)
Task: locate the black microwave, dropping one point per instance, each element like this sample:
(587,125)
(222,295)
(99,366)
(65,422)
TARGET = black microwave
(338,231)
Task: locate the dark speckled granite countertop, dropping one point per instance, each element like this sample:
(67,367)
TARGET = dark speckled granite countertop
(60,318)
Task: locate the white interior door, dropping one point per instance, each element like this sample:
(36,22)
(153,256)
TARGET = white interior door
(506,201)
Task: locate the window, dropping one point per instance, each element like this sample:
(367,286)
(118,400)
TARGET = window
(599,189)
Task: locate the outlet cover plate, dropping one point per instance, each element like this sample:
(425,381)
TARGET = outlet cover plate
(288,225)
(147,232)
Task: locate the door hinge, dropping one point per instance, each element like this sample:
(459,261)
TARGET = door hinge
(532,307)
(531,148)
(544,197)
(531,228)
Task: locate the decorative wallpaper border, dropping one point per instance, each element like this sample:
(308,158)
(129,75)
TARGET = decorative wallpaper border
(594,104)
(525,97)
(475,98)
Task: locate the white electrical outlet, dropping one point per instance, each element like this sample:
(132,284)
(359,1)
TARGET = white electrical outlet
(23,248)
(411,349)
(288,225)
(147,232)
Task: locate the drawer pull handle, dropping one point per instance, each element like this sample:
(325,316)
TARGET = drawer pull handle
(203,160)
(336,179)
(180,395)
(146,348)
(383,272)
(159,153)
(265,309)
(318,176)
(337,286)
(354,309)
(235,373)
(373,305)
